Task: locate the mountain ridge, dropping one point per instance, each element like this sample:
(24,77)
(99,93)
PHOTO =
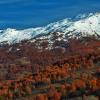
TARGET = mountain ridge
(83,26)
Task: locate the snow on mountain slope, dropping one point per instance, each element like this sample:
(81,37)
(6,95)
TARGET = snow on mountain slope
(13,35)
(83,26)
(87,26)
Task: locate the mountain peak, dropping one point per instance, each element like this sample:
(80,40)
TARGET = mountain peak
(83,25)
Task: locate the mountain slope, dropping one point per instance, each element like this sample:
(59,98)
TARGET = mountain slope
(79,27)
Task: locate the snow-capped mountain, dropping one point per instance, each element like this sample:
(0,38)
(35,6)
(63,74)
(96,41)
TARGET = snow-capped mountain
(81,26)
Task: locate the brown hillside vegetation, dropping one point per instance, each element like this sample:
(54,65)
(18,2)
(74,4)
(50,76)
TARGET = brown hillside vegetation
(61,73)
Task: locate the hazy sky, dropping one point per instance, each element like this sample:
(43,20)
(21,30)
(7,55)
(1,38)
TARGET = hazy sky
(22,14)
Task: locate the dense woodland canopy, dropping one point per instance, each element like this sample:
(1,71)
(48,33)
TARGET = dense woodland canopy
(67,70)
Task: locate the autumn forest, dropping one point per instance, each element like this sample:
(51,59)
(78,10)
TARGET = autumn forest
(68,71)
